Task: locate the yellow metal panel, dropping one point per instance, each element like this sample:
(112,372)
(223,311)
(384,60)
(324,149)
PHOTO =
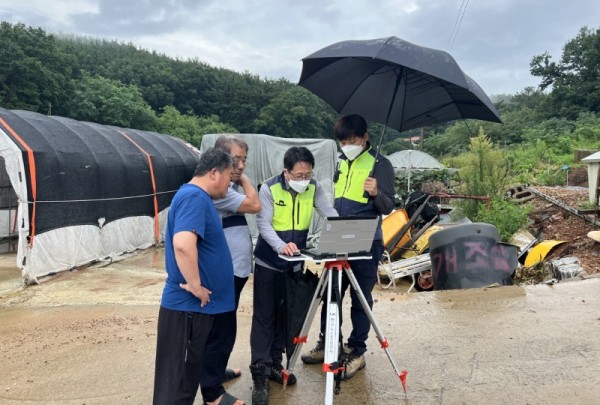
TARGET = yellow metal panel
(537,253)
(422,243)
(392,224)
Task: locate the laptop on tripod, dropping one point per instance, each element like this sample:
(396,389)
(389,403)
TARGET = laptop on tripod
(344,238)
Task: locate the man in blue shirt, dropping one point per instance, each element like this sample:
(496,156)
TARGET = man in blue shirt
(198,291)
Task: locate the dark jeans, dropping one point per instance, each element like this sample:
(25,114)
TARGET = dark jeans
(267,336)
(185,343)
(365,272)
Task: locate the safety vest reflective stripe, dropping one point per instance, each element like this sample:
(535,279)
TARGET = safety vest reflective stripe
(352,176)
(292,213)
(291,220)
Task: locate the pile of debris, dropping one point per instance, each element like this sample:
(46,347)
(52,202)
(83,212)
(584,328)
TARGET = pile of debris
(556,218)
(562,241)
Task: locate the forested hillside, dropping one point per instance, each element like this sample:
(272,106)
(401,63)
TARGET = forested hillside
(121,84)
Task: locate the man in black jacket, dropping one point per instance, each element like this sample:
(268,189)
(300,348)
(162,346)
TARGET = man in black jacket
(353,179)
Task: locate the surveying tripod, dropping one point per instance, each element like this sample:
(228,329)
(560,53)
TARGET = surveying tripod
(331,281)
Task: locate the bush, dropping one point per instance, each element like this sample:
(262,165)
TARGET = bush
(550,177)
(505,215)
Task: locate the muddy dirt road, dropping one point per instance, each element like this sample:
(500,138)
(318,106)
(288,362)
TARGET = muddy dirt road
(88,337)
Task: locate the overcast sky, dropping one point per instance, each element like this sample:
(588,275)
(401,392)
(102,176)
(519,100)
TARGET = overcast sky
(494,42)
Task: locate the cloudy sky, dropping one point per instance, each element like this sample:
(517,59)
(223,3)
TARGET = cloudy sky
(492,40)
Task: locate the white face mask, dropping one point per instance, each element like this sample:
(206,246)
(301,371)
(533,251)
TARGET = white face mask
(352,151)
(299,186)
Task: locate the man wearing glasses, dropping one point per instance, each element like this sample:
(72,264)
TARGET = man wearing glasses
(287,202)
(231,209)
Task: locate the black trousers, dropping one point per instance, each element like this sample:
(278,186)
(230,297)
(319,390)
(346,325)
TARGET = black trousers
(192,350)
(216,353)
(239,283)
(267,336)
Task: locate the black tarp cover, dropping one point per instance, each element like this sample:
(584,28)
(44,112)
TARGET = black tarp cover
(79,173)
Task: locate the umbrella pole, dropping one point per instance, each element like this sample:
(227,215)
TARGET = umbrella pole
(387,118)
(409,172)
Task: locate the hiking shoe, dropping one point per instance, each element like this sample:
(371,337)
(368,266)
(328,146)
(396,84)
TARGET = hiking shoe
(316,355)
(354,363)
(277,376)
(260,387)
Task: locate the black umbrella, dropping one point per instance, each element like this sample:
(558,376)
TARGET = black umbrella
(395,83)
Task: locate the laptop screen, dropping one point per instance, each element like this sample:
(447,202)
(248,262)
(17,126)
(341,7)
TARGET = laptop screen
(346,236)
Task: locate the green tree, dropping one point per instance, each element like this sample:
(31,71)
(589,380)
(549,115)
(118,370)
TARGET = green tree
(575,80)
(587,127)
(295,113)
(190,127)
(212,125)
(394,145)
(549,130)
(186,127)
(453,141)
(482,171)
(34,74)
(107,101)
(239,98)
(519,112)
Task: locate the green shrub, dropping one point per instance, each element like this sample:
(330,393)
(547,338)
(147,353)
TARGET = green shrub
(505,215)
(550,177)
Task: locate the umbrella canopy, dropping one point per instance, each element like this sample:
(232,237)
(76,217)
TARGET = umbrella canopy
(395,82)
(406,160)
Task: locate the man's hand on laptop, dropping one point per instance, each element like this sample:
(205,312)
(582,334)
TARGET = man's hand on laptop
(289,249)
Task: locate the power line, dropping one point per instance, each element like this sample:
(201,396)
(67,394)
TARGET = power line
(459,18)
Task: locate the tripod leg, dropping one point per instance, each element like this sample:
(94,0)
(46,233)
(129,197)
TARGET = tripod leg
(332,331)
(382,339)
(314,305)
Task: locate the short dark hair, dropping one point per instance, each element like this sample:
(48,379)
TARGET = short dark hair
(349,126)
(213,158)
(224,142)
(297,154)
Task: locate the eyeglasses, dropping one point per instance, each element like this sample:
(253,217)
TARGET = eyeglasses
(301,176)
